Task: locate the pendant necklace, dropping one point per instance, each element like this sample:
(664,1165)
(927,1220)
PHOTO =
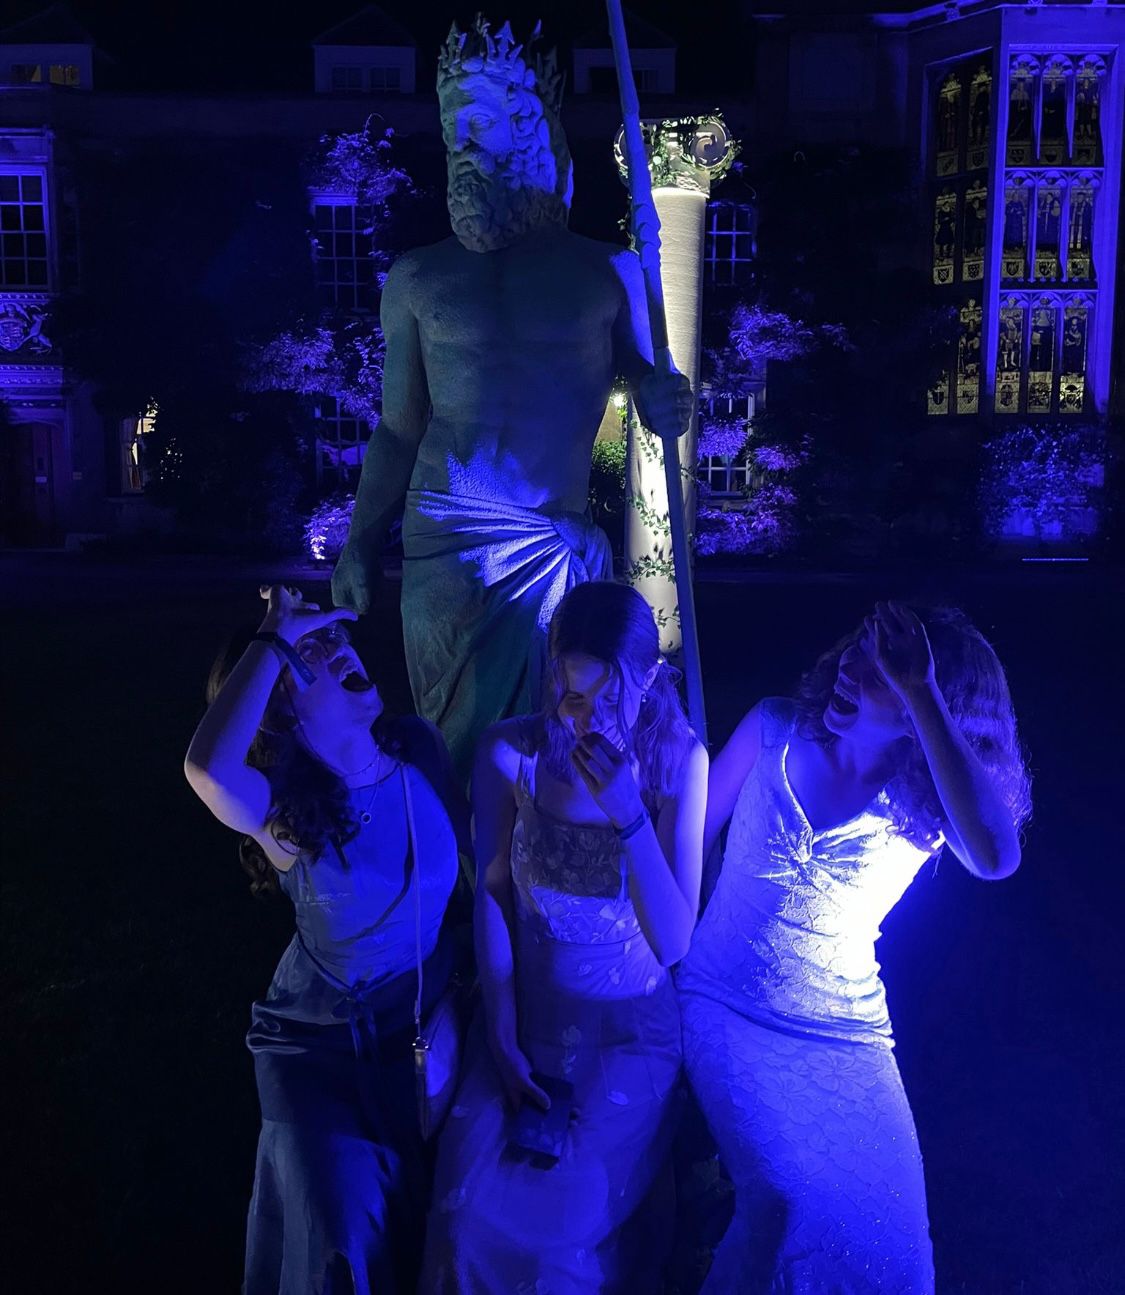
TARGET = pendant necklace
(365,814)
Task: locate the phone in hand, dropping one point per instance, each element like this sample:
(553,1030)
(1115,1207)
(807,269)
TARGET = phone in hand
(540,1131)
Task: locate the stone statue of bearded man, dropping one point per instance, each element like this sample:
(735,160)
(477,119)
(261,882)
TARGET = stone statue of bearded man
(502,346)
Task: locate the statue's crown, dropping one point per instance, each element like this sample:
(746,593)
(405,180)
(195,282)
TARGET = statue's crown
(500,58)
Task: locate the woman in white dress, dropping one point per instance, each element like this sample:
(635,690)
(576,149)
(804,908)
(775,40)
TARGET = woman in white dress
(589,830)
(900,740)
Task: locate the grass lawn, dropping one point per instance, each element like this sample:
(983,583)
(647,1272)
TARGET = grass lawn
(133,948)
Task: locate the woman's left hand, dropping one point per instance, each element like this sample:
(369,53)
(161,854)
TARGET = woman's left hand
(608,773)
(900,649)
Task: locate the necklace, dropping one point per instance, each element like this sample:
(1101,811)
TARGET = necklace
(354,773)
(365,813)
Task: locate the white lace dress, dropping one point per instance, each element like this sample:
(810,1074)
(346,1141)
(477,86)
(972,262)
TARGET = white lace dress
(787,1044)
(594,1007)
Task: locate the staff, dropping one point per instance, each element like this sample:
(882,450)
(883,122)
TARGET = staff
(646,236)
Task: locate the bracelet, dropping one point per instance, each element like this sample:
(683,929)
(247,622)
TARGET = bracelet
(631,829)
(287,652)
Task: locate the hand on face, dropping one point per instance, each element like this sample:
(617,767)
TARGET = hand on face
(290,617)
(896,643)
(664,403)
(608,774)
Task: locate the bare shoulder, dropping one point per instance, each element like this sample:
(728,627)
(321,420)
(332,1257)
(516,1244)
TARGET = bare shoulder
(501,746)
(415,267)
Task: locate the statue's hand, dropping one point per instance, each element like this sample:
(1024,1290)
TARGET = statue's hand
(664,403)
(355,578)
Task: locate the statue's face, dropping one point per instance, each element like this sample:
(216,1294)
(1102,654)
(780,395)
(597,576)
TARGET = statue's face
(476,119)
(504,161)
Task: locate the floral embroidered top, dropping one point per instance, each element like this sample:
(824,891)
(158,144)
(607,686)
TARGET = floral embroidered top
(788,936)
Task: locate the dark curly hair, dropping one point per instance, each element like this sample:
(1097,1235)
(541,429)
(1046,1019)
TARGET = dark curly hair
(309,803)
(972,682)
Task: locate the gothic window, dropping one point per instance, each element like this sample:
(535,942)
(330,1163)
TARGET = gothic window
(1080,232)
(1048,228)
(345,271)
(1087,106)
(1041,357)
(1022,81)
(23,231)
(948,125)
(1017,207)
(731,230)
(968,358)
(972,243)
(945,235)
(980,118)
(1072,376)
(1053,146)
(340,443)
(1009,357)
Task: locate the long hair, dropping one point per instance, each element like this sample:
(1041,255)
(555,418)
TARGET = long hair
(972,682)
(612,623)
(309,802)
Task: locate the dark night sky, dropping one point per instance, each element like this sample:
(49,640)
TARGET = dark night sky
(264,45)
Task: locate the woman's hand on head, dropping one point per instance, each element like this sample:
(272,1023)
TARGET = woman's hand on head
(608,773)
(290,617)
(900,649)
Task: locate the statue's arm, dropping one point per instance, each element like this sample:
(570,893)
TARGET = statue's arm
(632,340)
(388,461)
(663,397)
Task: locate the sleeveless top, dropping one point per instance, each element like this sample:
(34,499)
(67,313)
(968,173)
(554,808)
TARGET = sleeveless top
(788,937)
(348,919)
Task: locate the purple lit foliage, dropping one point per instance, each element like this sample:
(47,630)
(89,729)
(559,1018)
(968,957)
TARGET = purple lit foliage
(1045,482)
(340,358)
(327,527)
(358,164)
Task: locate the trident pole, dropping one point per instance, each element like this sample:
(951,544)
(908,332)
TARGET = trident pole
(646,237)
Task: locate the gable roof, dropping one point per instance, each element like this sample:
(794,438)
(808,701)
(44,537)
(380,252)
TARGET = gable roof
(53,26)
(370,26)
(640,35)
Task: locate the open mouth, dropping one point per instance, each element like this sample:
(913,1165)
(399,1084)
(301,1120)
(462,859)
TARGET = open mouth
(352,679)
(844,700)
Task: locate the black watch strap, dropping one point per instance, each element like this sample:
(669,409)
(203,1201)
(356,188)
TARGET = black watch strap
(287,652)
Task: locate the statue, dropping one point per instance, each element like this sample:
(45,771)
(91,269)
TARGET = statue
(502,344)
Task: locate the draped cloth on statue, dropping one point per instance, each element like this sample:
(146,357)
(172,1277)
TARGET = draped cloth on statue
(481,579)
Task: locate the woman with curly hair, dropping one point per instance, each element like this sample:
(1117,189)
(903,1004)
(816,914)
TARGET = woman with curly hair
(356,818)
(901,740)
(589,832)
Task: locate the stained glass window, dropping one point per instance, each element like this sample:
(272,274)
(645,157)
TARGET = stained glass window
(1017,206)
(1009,357)
(1087,110)
(980,118)
(968,359)
(1072,375)
(345,271)
(945,235)
(937,397)
(948,125)
(1053,146)
(1041,357)
(972,243)
(1021,107)
(1080,233)
(23,231)
(1048,228)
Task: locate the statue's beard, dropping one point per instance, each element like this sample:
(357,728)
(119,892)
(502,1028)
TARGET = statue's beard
(489,212)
